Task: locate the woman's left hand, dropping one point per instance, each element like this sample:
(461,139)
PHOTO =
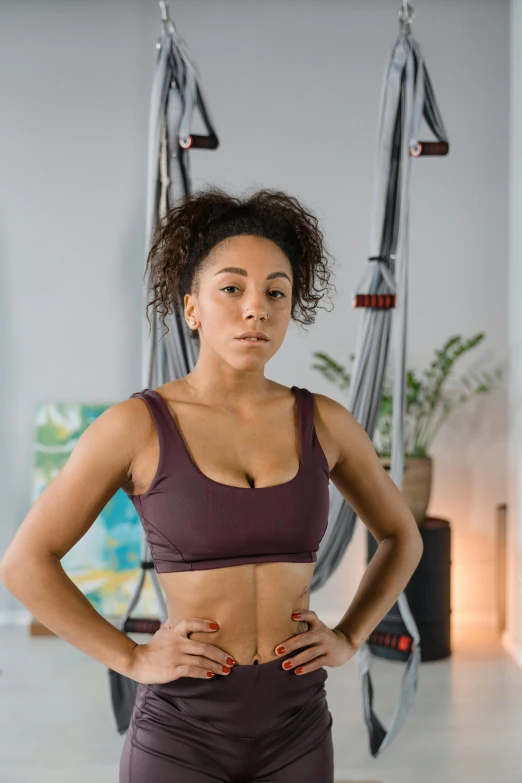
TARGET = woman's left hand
(331,647)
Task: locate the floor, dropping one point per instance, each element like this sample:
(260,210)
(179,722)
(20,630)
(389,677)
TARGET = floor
(56,724)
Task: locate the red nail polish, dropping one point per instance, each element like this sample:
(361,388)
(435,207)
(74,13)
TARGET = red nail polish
(297,615)
(280,650)
(299,670)
(287,664)
(230,661)
(210,674)
(226,669)
(213,626)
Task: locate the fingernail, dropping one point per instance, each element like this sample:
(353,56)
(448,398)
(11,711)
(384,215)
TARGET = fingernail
(287,664)
(210,674)
(299,670)
(297,615)
(226,669)
(280,650)
(213,626)
(231,661)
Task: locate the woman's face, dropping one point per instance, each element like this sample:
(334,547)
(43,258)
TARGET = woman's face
(246,286)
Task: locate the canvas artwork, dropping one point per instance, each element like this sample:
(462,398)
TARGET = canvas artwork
(105,563)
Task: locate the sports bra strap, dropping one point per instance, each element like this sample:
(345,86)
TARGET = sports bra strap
(306,420)
(160,414)
(168,433)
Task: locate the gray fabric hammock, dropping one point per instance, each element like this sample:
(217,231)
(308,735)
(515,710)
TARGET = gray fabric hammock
(407,95)
(176,94)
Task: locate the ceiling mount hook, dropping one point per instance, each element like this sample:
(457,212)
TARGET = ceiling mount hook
(406,15)
(168,24)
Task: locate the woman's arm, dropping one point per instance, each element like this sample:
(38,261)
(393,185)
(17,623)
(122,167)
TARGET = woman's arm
(375,498)
(44,588)
(98,466)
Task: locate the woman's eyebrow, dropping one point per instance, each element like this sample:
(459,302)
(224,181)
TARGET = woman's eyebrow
(239,271)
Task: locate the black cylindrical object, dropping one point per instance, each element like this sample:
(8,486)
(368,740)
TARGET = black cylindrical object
(429,597)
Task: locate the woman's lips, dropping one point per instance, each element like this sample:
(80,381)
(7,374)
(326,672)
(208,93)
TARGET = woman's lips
(250,341)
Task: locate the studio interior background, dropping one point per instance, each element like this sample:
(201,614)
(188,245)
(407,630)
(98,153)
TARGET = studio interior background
(294,89)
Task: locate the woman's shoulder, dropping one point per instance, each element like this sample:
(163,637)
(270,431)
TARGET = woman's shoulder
(336,425)
(334,413)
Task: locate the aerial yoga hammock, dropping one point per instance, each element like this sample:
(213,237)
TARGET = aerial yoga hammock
(407,95)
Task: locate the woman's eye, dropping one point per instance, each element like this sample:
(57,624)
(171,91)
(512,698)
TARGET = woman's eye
(273,291)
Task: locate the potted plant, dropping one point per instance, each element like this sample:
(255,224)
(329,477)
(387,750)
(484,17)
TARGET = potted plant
(430,399)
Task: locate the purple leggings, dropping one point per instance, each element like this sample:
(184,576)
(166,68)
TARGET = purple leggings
(258,723)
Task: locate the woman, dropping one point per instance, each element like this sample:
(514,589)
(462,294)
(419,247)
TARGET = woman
(229,473)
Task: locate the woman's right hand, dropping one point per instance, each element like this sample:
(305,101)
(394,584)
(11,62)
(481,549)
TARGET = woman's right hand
(171,654)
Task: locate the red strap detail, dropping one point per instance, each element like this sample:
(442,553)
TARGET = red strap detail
(374,301)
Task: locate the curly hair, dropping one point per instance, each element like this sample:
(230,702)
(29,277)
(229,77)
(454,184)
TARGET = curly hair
(189,230)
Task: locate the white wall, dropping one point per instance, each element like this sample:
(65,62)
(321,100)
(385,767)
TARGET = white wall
(294,90)
(513,635)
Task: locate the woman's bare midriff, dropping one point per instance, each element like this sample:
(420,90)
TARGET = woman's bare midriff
(252,605)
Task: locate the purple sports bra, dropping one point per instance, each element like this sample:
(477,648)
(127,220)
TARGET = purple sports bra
(192,522)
